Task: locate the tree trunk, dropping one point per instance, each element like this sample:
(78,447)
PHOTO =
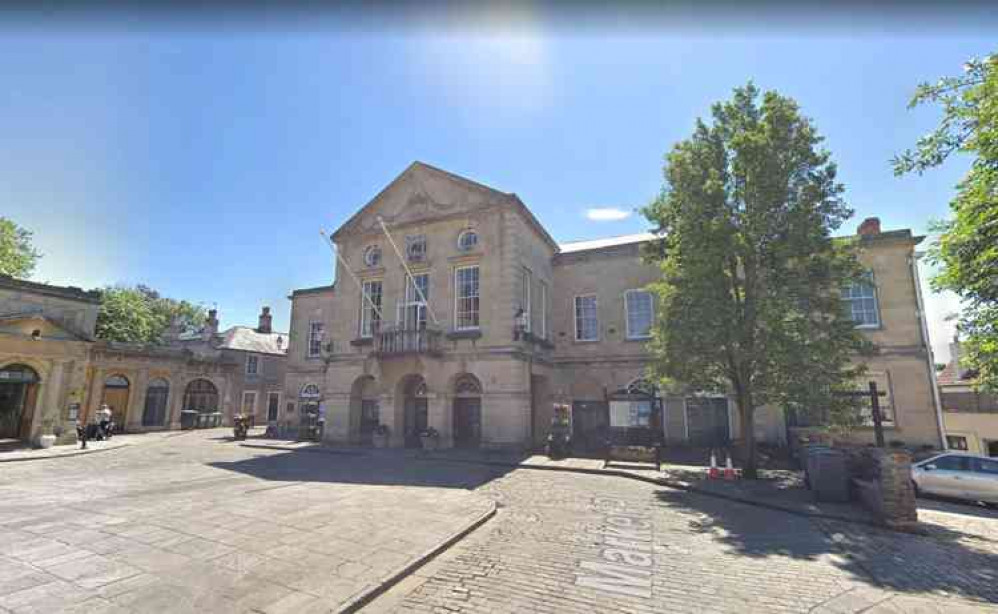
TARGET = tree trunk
(747,413)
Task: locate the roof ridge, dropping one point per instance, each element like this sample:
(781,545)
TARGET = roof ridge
(630,234)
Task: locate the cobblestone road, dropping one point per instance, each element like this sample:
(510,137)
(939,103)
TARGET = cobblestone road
(579,543)
(197,523)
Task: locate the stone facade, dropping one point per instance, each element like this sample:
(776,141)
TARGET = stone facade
(554,327)
(53,372)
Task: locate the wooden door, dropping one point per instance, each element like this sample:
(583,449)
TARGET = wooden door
(117,401)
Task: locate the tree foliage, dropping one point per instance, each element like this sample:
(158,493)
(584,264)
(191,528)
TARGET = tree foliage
(967,248)
(748,299)
(17,255)
(140,315)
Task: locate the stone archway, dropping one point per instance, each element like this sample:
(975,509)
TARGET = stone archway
(18,395)
(467,414)
(412,409)
(365,409)
(115,394)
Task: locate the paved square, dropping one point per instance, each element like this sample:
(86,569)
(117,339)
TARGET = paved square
(197,523)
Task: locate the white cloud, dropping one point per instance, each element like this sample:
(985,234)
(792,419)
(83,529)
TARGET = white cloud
(607,214)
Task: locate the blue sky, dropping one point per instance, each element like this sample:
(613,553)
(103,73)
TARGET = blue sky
(203,161)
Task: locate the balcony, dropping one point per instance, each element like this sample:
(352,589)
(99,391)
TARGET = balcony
(392,341)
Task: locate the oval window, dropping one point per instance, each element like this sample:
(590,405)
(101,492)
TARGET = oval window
(467,240)
(372,256)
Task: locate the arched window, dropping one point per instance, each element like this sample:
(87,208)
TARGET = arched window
(202,396)
(116,381)
(372,256)
(157,392)
(309,391)
(467,240)
(18,374)
(467,385)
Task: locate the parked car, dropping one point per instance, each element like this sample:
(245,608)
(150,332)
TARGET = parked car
(962,476)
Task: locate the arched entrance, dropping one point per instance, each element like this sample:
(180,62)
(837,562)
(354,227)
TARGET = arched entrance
(415,415)
(365,410)
(18,392)
(201,396)
(154,412)
(115,396)
(467,411)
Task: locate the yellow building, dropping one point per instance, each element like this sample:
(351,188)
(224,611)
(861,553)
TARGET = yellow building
(971,416)
(499,323)
(53,372)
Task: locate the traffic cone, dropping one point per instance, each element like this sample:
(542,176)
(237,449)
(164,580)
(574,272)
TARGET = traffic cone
(712,473)
(729,469)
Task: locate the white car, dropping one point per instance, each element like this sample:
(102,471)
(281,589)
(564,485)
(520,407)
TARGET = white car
(962,476)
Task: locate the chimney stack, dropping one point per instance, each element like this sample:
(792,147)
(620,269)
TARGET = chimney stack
(870,227)
(264,326)
(954,356)
(211,325)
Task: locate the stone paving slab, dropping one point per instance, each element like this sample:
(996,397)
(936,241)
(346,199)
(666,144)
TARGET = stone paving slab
(199,523)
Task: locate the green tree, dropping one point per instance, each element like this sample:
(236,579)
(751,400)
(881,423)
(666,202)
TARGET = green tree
(17,255)
(140,315)
(748,298)
(967,248)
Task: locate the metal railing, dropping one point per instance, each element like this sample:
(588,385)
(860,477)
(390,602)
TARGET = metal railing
(396,341)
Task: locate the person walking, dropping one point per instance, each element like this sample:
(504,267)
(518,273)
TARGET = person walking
(104,420)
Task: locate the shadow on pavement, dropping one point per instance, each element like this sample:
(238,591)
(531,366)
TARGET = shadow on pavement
(956,506)
(365,466)
(946,561)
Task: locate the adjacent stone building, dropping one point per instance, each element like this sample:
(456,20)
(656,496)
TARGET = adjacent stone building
(53,371)
(498,324)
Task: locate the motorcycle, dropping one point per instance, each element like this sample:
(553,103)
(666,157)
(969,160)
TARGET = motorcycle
(240,427)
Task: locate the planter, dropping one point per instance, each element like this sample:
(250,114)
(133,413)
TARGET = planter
(380,441)
(46,441)
(429,442)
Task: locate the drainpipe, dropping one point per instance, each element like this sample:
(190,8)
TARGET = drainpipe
(931,364)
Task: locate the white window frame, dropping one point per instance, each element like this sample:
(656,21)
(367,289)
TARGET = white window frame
(544,309)
(627,313)
(876,304)
(526,281)
(252,359)
(311,336)
(460,240)
(575,316)
(366,309)
(242,407)
(271,394)
(457,298)
(412,298)
(370,249)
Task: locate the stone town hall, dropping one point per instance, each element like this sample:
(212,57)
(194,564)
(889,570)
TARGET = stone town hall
(498,323)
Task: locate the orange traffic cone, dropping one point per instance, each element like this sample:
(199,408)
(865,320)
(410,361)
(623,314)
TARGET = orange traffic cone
(729,469)
(713,473)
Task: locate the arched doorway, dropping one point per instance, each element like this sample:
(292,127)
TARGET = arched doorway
(201,396)
(154,412)
(415,415)
(365,410)
(115,396)
(18,392)
(467,411)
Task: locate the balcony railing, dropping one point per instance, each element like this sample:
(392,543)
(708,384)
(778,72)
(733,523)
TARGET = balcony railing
(397,341)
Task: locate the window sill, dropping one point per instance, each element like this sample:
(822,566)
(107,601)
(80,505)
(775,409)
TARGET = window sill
(638,339)
(361,341)
(469,333)
(586,341)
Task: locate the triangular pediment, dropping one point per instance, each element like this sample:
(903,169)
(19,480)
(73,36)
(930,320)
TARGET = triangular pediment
(26,323)
(423,193)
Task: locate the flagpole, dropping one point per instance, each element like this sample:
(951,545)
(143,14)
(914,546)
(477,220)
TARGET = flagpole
(398,253)
(329,241)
